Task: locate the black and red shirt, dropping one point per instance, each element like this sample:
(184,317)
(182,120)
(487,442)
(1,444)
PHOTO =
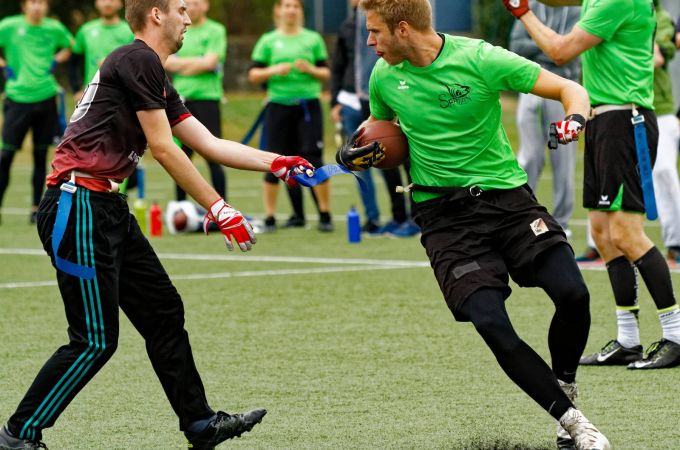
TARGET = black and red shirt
(104,137)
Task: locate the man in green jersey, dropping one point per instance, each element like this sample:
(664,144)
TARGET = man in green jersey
(615,39)
(95,40)
(480,221)
(197,75)
(33,44)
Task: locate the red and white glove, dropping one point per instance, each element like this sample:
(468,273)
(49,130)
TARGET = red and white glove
(567,130)
(286,167)
(232,224)
(517,7)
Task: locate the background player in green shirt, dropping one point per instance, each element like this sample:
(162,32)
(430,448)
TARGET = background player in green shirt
(292,61)
(96,39)
(33,44)
(615,39)
(197,75)
(479,219)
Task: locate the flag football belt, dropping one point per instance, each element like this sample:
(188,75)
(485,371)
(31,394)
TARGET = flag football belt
(601,109)
(451,193)
(68,188)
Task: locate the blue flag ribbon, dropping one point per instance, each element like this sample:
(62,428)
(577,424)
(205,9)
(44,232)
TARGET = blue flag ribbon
(324,173)
(63,211)
(645,165)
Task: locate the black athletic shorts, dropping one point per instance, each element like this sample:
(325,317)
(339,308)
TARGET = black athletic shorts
(41,117)
(295,130)
(208,113)
(475,243)
(611,180)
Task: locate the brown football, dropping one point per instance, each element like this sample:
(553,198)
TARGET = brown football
(391,137)
(180,220)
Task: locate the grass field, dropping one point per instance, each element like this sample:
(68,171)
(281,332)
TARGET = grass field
(347,346)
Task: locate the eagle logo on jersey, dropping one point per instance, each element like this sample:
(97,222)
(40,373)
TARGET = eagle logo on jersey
(457,94)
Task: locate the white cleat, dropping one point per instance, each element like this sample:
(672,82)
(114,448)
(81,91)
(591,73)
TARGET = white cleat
(584,433)
(564,440)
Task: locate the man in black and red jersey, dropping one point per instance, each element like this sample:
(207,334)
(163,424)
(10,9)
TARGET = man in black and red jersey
(103,260)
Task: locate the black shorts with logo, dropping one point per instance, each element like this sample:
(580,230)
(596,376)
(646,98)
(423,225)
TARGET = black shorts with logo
(476,242)
(19,118)
(611,180)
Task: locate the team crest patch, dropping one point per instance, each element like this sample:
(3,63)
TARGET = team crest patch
(538,227)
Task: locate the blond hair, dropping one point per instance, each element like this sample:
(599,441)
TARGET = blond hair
(417,13)
(136,11)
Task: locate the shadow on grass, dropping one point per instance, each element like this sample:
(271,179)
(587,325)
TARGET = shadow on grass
(501,445)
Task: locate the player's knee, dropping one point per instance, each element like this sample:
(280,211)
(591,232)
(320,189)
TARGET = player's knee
(497,332)
(574,300)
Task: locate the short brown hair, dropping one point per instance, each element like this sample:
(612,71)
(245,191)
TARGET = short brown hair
(417,13)
(136,11)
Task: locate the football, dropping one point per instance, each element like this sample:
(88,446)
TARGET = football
(393,140)
(180,220)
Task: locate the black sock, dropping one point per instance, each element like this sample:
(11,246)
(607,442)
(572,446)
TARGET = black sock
(654,271)
(295,194)
(558,274)
(39,172)
(6,158)
(325,217)
(486,310)
(624,282)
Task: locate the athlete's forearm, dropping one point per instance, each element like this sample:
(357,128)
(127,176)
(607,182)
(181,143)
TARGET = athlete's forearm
(192,65)
(62,55)
(553,44)
(259,75)
(320,73)
(575,99)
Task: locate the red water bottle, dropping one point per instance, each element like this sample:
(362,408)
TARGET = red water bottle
(155,221)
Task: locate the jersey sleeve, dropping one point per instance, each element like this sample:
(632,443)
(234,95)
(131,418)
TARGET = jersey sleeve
(604,17)
(262,51)
(79,45)
(176,111)
(217,44)
(503,70)
(143,77)
(379,109)
(320,52)
(3,33)
(64,37)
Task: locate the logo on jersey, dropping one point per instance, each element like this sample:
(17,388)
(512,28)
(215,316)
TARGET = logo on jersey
(134,157)
(456,94)
(403,85)
(538,227)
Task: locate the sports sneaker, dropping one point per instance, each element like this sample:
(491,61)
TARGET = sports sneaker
(224,426)
(9,442)
(584,433)
(660,355)
(269,224)
(406,229)
(370,227)
(295,222)
(564,440)
(389,227)
(613,354)
(325,227)
(590,255)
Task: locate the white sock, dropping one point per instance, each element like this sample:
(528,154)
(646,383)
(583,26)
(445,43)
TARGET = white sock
(627,324)
(670,323)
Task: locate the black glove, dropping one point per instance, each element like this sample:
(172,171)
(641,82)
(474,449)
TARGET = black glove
(359,158)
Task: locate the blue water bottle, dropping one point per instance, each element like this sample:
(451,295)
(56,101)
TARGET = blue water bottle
(353,226)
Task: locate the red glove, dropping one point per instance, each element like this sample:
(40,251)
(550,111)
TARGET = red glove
(567,130)
(286,167)
(517,7)
(232,224)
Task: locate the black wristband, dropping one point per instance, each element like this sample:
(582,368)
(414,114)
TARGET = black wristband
(576,118)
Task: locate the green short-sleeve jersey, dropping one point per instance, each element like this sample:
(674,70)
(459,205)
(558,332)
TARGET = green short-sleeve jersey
(29,52)
(451,113)
(95,40)
(620,69)
(275,48)
(208,38)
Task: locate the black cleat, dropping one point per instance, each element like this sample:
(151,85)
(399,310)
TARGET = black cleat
(661,355)
(295,222)
(613,354)
(9,442)
(224,426)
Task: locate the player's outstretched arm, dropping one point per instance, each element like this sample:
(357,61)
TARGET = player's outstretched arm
(560,48)
(232,154)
